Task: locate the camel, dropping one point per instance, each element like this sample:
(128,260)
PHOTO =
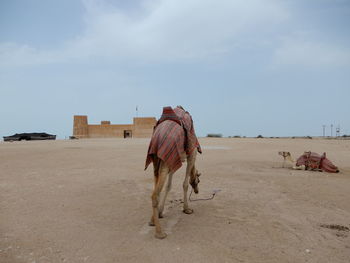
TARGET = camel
(310,161)
(172,143)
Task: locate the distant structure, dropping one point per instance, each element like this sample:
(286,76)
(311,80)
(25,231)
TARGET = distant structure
(141,128)
(338,131)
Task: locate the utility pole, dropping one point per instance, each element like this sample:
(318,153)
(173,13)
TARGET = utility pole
(324,130)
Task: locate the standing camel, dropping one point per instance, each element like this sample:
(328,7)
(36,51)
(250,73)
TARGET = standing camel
(173,141)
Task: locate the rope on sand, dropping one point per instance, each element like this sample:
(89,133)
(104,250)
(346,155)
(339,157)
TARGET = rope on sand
(204,199)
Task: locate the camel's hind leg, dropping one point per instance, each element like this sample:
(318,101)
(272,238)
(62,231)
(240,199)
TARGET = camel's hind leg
(167,189)
(156,165)
(159,183)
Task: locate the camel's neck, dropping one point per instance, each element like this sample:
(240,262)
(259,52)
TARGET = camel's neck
(290,158)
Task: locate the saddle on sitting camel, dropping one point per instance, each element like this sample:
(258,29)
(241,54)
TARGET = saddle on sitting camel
(315,161)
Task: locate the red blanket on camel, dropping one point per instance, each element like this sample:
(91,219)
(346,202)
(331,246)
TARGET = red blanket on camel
(314,161)
(173,136)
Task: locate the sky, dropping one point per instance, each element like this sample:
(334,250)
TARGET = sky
(275,68)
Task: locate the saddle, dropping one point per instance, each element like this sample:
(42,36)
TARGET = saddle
(315,161)
(173,138)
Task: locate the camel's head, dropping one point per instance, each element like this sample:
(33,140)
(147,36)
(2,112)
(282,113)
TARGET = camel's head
(284,154)
(194,181)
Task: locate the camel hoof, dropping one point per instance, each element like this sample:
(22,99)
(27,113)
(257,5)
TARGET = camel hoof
(160,215)
(188,211)
(160,235)
(151,223)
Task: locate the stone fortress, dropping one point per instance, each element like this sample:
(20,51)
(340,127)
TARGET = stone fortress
(141,128)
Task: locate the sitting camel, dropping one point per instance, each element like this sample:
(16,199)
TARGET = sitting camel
(173,141)
(310,161)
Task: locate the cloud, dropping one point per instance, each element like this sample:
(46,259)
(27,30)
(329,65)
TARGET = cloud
(303,51)
(15,54)
(162,30)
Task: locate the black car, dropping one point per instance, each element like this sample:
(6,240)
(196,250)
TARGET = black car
(30,136)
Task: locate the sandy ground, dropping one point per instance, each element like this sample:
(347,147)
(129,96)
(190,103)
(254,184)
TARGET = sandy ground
(89,201)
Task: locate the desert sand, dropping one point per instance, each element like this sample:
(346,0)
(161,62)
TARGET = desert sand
(89,201)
